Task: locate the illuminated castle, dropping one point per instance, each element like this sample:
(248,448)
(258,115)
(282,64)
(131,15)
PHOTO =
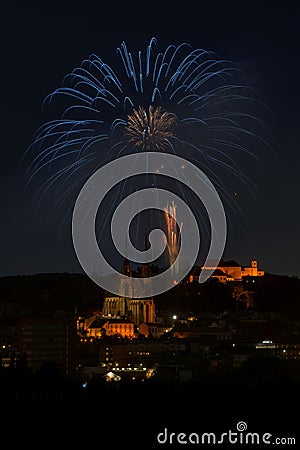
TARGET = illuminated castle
(227,271)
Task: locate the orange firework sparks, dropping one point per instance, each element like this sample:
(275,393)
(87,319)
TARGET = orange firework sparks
(149,130)
(173,234)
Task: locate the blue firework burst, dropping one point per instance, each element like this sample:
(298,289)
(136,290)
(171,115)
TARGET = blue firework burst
(181,100)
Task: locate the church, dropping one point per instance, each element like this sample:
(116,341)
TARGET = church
(136,310)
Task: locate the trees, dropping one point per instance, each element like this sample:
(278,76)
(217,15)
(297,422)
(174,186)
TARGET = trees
(211,296)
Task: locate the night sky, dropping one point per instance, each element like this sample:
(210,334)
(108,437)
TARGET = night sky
(40,45)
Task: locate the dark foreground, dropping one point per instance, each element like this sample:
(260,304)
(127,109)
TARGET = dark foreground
(53,411)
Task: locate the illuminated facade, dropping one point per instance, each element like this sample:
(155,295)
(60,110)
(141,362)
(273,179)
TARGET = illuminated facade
(253,270)
(153,328)
(114,306)
(227,271)
(108,327)
(137,310)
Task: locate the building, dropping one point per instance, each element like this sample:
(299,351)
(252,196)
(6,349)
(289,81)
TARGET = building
(253,270)
(231,269)
(156,329)
(49,339)
(137,310)
(103,326)
(138,354)
(121,306)
(114,306)
(226,271)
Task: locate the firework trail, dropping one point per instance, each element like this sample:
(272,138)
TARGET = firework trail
(180,100)
(173,235)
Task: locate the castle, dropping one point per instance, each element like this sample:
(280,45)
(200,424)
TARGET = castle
(226,271)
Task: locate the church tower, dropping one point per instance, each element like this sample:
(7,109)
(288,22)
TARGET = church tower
(126,268)
(138,310)
(254,267)
(145,270)
(254,263)
(126,280)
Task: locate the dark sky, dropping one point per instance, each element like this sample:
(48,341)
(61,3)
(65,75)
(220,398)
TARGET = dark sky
(40,45)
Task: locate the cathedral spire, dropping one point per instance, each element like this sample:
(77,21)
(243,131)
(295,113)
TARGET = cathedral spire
(126,268)
(145,269)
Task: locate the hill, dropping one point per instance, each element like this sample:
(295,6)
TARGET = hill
(72,292)
(41,292)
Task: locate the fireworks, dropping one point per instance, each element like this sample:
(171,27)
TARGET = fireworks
(180,100)
(173,235)
(149,130)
